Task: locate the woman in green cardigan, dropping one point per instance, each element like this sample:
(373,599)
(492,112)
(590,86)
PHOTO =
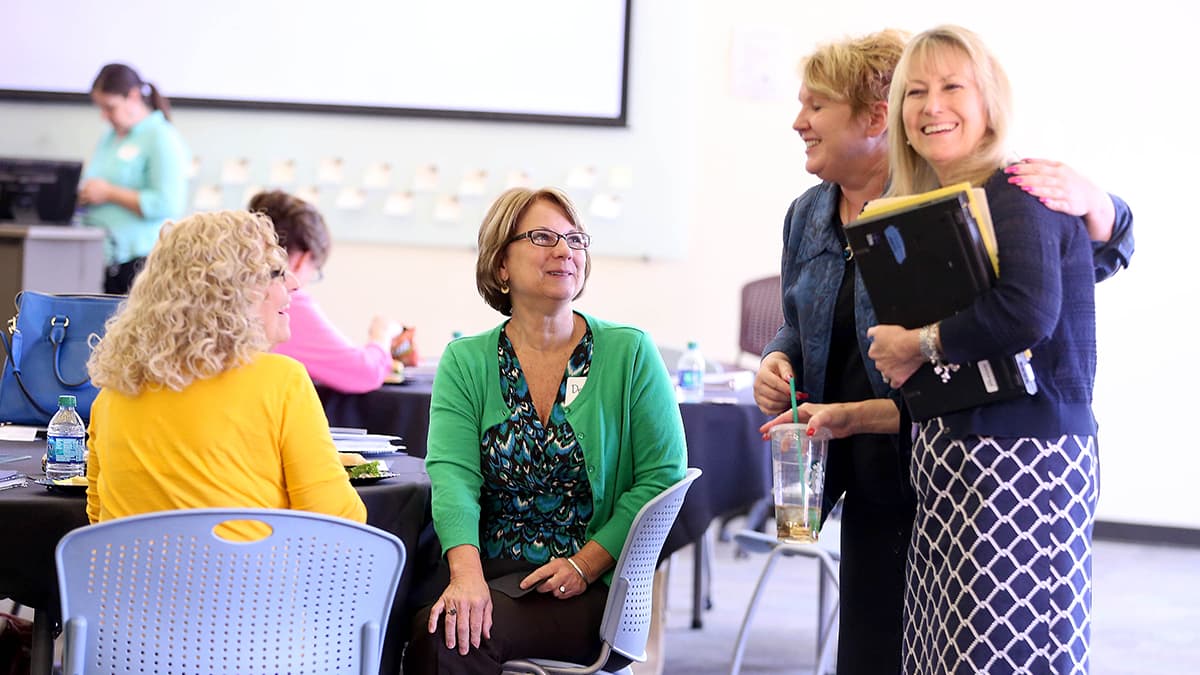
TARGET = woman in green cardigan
(547,434)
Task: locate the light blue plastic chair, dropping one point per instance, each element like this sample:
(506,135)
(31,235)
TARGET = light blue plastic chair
(827,553)
(162,593)
(626,624)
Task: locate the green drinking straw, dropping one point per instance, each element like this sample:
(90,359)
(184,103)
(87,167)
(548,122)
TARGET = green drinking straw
(795,410)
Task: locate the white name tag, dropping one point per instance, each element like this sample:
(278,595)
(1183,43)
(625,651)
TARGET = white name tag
(989,378)
(574,386)
(127,152)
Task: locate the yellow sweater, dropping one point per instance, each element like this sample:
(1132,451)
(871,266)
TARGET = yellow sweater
(254,436)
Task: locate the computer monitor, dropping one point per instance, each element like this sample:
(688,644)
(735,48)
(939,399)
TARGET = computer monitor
(38,191)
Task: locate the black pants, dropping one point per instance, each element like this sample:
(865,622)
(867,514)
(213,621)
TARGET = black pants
(118,278)
(877,522)
(535,625)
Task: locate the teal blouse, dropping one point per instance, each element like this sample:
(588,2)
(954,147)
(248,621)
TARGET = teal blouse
(536,500)
(153,160)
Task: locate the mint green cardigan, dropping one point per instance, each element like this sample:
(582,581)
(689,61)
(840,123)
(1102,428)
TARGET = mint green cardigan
(625,418)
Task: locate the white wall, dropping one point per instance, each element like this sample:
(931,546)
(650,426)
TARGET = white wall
(1105,91)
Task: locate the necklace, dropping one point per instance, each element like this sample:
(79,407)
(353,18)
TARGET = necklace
(844,216)
(844,210)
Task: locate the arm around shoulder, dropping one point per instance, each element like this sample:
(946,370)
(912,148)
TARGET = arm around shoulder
(1113,254)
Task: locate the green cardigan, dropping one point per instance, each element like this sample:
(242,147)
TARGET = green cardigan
(625,418)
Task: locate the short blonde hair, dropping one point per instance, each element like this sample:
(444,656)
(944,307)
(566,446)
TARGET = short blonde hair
(193,311)
(910,172)
(499,226)
(857,71)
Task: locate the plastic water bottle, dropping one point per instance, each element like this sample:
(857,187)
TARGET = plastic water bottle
(65,445)
(690,372)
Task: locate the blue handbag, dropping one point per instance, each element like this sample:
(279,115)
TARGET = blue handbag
(51,339)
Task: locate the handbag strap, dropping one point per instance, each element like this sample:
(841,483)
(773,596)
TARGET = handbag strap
(58,335)
(17,376)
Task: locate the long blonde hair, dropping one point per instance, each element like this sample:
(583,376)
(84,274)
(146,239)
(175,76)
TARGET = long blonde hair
(193,311)
(910,172)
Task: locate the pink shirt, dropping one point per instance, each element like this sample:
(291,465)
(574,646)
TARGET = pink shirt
(331,359)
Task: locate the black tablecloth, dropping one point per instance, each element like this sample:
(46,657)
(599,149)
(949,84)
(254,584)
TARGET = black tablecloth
(33,519)
(394,409)
(722,439)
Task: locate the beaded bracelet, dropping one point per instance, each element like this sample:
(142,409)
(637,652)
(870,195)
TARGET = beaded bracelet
(930,338)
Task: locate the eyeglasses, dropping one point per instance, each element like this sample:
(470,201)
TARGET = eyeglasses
(578,241)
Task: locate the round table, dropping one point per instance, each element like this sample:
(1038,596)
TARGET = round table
(33,519)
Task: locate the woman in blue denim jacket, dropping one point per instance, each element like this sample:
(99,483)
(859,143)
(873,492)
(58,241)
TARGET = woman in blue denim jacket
(823,343)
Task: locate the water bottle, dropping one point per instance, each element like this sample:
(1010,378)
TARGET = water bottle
(65,445)
(690,372)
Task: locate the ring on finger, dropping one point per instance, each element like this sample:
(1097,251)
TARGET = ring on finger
(562,589)
(451,612)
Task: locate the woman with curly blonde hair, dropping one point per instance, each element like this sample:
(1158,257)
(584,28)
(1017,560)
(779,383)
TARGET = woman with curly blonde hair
(193,411)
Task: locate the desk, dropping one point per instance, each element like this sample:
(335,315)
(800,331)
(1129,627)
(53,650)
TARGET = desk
(51,259)
(722,439)
(33,519)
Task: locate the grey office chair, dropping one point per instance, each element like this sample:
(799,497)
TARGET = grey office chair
(626,624)
(761,315)
(166,593)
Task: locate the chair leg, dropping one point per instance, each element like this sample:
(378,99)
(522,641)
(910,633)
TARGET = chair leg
(655,642)
(698,558)
(828,656)
(739,647)
(822,600)
(710,564)
(827,620)
(42,651)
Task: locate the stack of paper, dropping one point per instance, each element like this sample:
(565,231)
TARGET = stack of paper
(730,380)
(366,444)
(12,479)
(17,432)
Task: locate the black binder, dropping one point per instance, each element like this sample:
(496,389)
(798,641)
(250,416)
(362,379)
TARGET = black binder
(922,263)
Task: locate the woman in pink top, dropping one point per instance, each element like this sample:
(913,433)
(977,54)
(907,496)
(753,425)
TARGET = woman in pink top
(330,357)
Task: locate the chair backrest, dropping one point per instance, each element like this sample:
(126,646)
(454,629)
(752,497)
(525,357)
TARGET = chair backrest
(626,624)
(163,593)
(762,314)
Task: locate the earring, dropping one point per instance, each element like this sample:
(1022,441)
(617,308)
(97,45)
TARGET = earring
(504,287)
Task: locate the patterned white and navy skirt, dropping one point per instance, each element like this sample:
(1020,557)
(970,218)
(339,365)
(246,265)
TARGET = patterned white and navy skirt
(1000,567)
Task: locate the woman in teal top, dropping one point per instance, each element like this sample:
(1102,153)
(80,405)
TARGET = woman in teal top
(547,434)
(137,177)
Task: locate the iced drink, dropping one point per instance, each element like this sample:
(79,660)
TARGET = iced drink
(799,479)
